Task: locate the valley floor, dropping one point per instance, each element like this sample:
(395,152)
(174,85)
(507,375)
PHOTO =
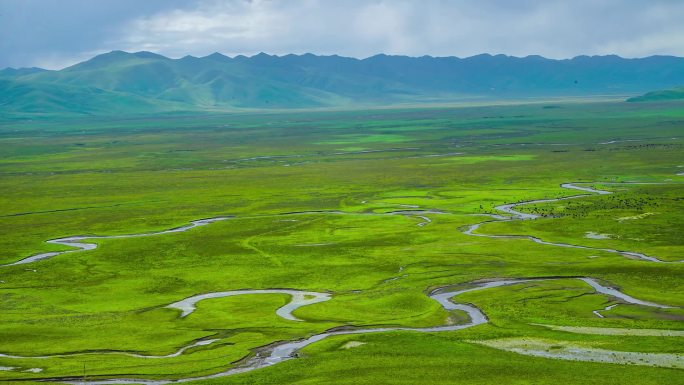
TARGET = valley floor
(518,244)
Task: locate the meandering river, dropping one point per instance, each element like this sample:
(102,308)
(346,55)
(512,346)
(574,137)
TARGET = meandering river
(283,351)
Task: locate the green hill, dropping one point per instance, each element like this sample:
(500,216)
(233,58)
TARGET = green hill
(663,95)
(144,82)
(49,98)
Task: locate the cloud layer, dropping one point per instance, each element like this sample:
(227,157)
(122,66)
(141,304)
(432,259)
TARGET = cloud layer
(55,33)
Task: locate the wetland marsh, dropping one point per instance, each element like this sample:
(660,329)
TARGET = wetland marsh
(408,245)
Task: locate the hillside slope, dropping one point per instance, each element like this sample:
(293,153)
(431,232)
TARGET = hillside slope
(662,95)
(146,82)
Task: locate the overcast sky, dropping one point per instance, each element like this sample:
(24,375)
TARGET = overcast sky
(56,33)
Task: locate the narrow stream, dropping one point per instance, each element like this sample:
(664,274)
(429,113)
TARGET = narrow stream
(284,351)
(77,241)
(79,245)
(298,299)
(517,215)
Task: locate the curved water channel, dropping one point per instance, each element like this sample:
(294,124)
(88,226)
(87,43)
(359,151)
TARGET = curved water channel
(283,351)
(78,243)
(298,299)
(518,215)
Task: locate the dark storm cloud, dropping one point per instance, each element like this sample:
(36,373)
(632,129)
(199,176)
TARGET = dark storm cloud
(55,33)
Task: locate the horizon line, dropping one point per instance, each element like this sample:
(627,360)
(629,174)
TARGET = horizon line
(263,54)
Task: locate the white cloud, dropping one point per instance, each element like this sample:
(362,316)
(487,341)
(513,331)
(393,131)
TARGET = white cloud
(360,28)
(211,26)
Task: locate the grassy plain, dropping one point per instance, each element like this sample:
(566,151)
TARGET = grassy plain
(97,176)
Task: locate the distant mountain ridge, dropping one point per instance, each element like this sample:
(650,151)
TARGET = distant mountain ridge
(145,82)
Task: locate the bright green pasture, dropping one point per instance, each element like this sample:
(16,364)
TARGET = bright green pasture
(643,218)
(313,198)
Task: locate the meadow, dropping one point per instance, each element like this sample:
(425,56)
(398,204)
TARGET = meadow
(322,201)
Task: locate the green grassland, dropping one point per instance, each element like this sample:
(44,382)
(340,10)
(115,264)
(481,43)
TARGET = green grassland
(92,176)
(660,96)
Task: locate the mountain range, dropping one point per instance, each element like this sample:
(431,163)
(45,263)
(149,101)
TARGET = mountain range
(144,82)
